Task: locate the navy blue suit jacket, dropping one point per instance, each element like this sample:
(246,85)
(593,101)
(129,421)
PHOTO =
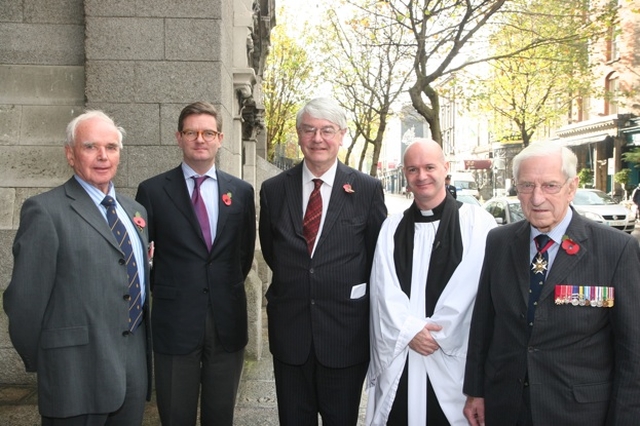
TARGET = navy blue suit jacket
(186,277)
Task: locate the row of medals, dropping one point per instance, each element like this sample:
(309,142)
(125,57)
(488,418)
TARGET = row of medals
(585,296)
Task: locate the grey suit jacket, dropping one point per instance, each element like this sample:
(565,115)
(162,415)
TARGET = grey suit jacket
(65,303)
(312,300)
(583,362)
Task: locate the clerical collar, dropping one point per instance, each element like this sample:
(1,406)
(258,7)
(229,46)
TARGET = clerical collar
(429,215)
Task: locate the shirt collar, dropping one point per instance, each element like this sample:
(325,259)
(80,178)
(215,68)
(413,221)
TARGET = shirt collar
(559,231)
(189,172)
(96,195)
(328,177)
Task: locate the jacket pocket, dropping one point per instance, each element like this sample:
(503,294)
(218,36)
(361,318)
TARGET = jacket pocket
(592,392)
(64,337)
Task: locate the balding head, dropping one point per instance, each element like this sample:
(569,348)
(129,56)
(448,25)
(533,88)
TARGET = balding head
(425,169)
(425,145)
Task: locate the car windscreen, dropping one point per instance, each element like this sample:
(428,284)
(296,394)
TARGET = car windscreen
(592,198)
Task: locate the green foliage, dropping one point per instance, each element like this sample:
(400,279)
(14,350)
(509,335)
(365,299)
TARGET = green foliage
(585,178)
(632,156)
(287,80)
(622,177)
(542,64)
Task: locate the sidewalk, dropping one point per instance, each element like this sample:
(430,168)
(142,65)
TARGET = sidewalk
(255,405)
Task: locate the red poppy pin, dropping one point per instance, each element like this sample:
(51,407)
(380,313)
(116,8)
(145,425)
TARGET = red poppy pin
(570,246)
(347,188)
(226,198)
(139,221)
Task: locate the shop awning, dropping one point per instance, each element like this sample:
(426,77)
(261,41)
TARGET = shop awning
(482,164)
(584,139)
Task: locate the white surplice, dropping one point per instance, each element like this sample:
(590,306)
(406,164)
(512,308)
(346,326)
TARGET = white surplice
(396,319)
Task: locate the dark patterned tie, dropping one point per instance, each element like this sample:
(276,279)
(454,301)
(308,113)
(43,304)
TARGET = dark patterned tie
(122,237)
(201,210)
(312,216)
(537,274)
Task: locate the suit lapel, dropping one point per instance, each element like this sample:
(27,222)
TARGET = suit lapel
(176,189)
(564,263)
(520,256)
(337,201)
(131,213)
(293,197)
(224,186)
(85,207)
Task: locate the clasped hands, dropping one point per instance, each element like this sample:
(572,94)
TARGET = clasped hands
(423,342)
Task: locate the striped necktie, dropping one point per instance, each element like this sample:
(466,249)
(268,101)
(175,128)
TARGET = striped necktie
(122,237)
(312,216)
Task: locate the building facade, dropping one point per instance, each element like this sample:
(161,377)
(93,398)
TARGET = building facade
(141,62)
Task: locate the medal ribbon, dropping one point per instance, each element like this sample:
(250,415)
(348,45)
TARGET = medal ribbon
(546,246)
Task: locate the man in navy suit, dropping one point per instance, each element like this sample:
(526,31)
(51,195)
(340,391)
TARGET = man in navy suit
(73,286)
(318,301)
(203,224)
(554,333)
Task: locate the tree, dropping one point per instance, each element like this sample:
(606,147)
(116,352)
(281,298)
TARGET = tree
(632,156)
(440,29)
(365,58)
(288,78)
(585,178)
(622,178)
(539,84)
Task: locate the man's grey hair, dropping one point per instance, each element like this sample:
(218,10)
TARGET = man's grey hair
(547,149)
(323,109)
(88,115)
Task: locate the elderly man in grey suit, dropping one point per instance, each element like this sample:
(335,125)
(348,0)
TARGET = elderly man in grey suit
(318,227)
(555,335)
(78,294)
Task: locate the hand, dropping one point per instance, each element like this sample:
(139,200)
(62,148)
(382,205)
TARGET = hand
(474,411)
(423,342)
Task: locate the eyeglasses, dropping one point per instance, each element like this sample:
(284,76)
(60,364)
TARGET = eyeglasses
(547,188)
(207,135)
(326,133)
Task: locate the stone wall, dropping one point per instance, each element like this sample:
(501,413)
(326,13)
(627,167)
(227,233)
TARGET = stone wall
(141,62)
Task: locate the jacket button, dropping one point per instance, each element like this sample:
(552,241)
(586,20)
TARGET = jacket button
(122,262)
(205,290)
(311,270)
(126,333)
(127,297)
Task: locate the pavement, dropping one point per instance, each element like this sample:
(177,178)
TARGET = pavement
(256,403)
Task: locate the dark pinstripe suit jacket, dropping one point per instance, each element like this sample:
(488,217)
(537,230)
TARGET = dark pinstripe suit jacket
(309,300)
(583,362)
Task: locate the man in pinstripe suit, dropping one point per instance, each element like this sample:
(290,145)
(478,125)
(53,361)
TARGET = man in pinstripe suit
(570,355)
(318,300)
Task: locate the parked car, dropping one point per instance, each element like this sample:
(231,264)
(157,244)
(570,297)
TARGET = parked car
(504,209)
(470,199)
(465,183)
(600,207)
(591,203)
